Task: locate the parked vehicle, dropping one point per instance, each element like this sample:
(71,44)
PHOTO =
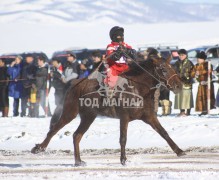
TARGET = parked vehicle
(165,50)
(9,58)
(211,51)
(35,55)
(81,54)
(212,54)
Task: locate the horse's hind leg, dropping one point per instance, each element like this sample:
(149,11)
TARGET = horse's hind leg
(70,111)
(86,121)
(123,139)
(155,124)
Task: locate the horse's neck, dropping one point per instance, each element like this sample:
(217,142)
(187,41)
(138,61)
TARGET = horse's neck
(144,79)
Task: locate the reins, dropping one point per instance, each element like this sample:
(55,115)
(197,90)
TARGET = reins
(160,82)
(15,80)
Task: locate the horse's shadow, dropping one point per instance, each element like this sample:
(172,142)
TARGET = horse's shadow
(14,166)
(10,165)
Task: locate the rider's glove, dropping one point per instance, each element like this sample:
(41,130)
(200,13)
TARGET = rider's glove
(130,53)
(116,56)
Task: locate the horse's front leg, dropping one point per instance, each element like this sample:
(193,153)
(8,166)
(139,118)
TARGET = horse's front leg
(155,124)
(123,139)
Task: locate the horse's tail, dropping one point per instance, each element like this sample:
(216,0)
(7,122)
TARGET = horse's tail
(56,115)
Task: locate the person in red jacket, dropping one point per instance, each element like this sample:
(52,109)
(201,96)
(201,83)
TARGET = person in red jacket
(118,61)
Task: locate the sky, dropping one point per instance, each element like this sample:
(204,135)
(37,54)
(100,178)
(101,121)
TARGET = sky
(198,1)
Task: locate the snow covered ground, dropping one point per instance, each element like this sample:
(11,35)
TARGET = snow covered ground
(149,156)
(24,166)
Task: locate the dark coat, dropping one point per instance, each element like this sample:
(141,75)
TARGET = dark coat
(201,99)
(184,69)
(3,87)
(164,93)
(184,99)
(29,73)
(3,77)
(41,78)
(75,66)
(101,68)
(57,81)
(15,87)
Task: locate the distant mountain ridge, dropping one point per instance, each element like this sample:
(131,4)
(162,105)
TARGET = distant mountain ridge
(107,11)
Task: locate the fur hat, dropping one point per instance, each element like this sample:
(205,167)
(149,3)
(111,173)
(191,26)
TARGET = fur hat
(182,51)
(201,55)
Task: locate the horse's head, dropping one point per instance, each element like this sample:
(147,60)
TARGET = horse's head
(166,74)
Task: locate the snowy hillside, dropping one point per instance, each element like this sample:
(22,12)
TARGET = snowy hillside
(51,25)
(107,11)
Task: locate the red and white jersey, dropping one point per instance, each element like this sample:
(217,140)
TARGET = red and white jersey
(113,47)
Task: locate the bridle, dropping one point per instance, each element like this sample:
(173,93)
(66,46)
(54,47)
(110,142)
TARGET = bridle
(161,83)
(168,80)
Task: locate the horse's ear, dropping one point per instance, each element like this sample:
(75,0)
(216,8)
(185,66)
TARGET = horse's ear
(155,60)
(169,59)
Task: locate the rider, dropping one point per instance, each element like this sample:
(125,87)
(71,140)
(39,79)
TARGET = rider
(118,52)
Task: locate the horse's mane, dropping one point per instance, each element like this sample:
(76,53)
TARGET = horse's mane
(135,69)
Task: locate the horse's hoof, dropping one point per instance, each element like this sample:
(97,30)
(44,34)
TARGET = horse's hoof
(182,153)
(37,149)
(123,162)
(80,163)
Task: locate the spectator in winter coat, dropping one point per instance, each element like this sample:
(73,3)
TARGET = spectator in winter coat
(71,71)
(84,68)
(200,72)
(184,99)
(97,57)
(216,72)
(15,85)
(41,83)
(4,102)
(57,83)
(28,74)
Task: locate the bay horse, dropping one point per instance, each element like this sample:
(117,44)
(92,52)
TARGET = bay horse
(144,77)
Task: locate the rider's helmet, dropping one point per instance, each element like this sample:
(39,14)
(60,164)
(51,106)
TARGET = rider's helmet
(116,31)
